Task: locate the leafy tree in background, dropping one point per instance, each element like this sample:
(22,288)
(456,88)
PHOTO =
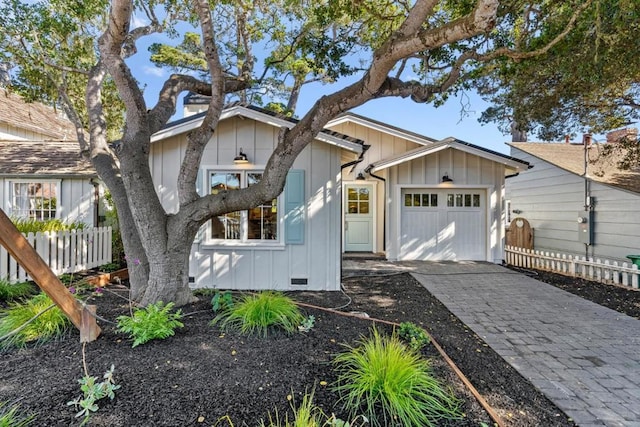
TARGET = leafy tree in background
(74,53)
(589,82)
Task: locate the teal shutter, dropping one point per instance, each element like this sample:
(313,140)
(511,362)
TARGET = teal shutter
(294,211)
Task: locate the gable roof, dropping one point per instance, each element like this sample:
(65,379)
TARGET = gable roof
(259,114)
(34,117)
(511,163)
(44,159)
(570,157)
(380,126)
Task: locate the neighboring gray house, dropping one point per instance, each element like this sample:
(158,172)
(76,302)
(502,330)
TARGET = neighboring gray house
(42,174)
(555,193)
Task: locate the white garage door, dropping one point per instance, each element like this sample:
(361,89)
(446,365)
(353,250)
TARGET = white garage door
(443,224)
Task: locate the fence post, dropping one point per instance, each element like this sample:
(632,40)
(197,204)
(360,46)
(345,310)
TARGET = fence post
(634,276)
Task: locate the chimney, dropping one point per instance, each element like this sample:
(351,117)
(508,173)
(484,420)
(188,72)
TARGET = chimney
(626,133)
(566,139)
(586,139)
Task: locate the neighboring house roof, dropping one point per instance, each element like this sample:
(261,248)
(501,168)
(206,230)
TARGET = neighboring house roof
(34,117)
(511,163)
(570,157)
(260,114)
(44,159)
(380,126)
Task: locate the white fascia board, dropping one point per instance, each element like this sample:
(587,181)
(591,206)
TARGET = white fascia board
(409,155)
(379,127)
(254,115)
(511,164)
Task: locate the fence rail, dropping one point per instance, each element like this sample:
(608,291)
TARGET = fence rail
(626,274)
(63,251)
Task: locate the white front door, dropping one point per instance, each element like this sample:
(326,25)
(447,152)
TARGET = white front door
(358,218)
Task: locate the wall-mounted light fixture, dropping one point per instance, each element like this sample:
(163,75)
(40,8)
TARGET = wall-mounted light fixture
(517,211)
(360,177)
(445,178)
(241,158)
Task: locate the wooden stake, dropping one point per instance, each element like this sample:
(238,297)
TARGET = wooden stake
(20,249)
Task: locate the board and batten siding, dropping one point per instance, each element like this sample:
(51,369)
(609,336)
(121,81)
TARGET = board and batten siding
(75,197)
(315,258)
(467,171)
(550,199)
(382,145)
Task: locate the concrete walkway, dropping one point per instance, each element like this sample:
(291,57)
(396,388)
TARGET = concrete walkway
(584,357)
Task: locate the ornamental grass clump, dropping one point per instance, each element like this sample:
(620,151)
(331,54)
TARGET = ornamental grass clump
(257,313)
(10,416)
(155,321)
(36,319)
(382,377)
(12,291)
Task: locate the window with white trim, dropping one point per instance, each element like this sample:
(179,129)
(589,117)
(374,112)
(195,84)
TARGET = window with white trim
(34,199)
(257,224)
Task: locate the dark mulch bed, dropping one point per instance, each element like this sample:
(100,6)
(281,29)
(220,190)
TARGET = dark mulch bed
(202,374)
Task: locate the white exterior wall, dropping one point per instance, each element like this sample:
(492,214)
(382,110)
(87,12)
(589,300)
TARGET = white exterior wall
(12,133)
(260,265)
(382,146)
(75,197)
(467,171)
(550,199)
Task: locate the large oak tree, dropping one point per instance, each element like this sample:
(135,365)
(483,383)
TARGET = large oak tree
(75,53)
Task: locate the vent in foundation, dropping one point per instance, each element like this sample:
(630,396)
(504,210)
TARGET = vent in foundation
(192,279)
(299,281)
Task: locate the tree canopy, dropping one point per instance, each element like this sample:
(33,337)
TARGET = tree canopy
(588,82)
(75,53)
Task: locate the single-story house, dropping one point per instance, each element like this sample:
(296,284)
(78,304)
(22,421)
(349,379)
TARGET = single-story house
(575,195)
(361,186)
(42,174)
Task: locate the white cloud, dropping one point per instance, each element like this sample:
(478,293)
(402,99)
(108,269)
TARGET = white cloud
(153,71)
(138,21)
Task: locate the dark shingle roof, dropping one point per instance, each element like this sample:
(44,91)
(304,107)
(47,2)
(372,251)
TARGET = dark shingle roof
(570,157)
(43,158)
(34,117)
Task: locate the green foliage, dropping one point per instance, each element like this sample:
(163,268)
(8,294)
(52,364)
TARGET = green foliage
(10,291)
(413,335)
(154,321)
(92,391)
(110,267)
(52,323)
(33,225)
(307,324)
(10,416)
(382,375)
(221,300)
(309,415)
(256,314)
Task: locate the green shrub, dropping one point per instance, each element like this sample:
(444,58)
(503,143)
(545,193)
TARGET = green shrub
(33,225)
(384,376)
(11,291)
(154,321)
(256,314)
(413,335)
(10,416)
(50,324)
(92,391)
(306,415)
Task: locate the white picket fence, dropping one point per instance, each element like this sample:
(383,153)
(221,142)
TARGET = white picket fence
(626,274)
(64,252)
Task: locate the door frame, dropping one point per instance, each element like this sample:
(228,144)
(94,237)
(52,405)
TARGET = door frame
(487,189)
(373,206)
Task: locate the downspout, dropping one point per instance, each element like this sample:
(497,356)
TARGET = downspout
(586,141)
(367,170)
